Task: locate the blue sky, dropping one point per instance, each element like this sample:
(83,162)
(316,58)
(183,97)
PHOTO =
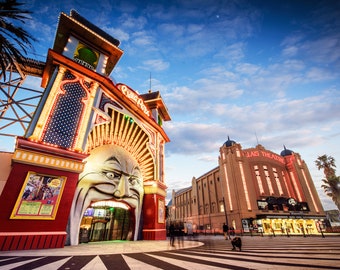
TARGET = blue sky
(265,71)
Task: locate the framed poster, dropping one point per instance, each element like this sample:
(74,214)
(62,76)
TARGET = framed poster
(161,211)
(39,197)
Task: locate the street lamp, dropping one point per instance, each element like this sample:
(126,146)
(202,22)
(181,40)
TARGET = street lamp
(173,212)
(225,211)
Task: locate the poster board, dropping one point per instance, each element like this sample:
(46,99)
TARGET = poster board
(39,197)
(161,211)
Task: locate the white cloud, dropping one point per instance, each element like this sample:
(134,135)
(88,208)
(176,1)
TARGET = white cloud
(155,65)
(142,38)
(191,138)
(118,33)
(173,30)
(328,54)
(129,22)
(290,51)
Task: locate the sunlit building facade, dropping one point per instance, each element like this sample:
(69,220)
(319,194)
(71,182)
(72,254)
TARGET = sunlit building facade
(252,191)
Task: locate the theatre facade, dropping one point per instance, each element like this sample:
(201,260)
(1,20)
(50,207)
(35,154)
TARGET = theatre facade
(90,166)
(252,191)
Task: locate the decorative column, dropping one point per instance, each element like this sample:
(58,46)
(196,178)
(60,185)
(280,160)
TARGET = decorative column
(154,211)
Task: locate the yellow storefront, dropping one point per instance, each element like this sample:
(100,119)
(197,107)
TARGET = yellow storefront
(289,226)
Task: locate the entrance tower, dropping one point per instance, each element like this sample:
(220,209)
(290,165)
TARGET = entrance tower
(82,112)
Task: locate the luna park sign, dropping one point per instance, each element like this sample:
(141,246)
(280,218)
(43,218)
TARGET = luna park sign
(134,97)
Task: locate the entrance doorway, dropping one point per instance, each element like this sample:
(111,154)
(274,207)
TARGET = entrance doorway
(106,220)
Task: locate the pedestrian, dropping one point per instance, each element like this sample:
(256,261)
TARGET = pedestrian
(226,231)
(180,235)
(172,234)
(236,243)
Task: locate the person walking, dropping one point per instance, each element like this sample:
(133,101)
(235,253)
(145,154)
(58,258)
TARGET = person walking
(172,234)
(180,236)
(226,231)
(232,231)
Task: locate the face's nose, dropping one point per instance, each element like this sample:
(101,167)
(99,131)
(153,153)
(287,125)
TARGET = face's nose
(123,187)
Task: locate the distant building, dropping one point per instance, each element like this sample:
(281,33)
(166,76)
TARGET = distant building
(252,190)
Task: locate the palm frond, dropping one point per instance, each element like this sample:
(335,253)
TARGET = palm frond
(14,40)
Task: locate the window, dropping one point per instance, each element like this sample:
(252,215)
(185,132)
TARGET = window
(277,180)
(269,183)
(259,180)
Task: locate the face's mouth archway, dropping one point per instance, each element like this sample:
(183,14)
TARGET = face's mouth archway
(109,203)
(107,220)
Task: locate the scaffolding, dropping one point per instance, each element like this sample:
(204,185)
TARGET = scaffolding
(18,103)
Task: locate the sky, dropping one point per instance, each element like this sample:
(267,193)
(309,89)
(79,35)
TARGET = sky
(257,71)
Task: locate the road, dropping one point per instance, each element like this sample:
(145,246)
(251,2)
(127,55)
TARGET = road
(257,253)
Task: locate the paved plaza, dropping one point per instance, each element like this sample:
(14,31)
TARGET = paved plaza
(200,252)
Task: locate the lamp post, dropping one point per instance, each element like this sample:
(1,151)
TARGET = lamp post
(226,217)
(225,211)
(224,207)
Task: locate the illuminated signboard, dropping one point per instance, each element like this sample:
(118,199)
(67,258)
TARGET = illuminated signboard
(257,153)
(134,97)
(39,197)
(86,56)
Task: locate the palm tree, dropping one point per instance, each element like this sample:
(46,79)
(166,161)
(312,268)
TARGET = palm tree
(331,185)
(327,163)
(14,40)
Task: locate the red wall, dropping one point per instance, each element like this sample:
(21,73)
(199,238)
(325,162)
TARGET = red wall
(11,192)
(152,230)
(17,234)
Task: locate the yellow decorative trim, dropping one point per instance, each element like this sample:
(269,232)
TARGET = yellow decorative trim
(154,190)
(49,161)
(123,131)
(86,117)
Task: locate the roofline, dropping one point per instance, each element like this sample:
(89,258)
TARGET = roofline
(55,58)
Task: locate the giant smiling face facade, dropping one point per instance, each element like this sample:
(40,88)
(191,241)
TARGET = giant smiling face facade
(110,173)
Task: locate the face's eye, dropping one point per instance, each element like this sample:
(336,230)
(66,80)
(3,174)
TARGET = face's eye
(112,175)
(133,180)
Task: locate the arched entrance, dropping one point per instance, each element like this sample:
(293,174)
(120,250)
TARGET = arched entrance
(105,221)
(111,179)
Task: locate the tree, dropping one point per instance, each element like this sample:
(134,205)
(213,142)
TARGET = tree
(331,184)
(327,163)
(14,40)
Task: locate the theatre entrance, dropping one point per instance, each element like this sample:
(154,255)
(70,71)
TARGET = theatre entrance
(106,221)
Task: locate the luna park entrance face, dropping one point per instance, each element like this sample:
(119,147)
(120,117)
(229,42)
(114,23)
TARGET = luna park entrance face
(105,221)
